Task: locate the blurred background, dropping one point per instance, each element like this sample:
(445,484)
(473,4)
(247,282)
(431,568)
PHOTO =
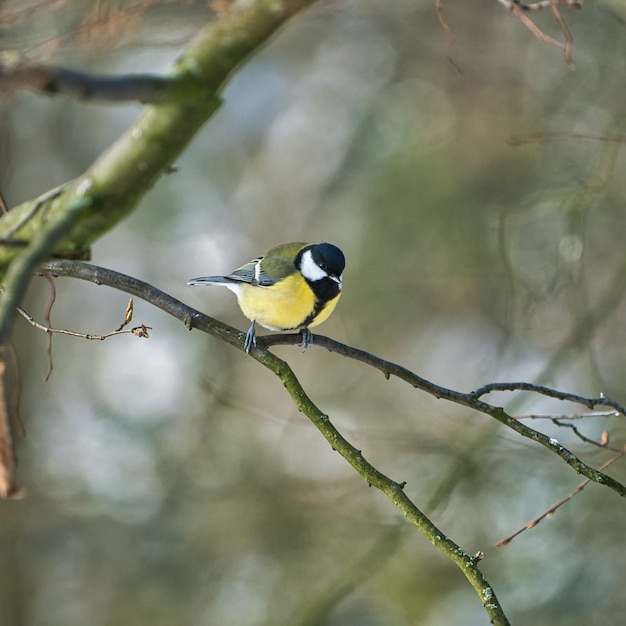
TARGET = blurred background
(482,214)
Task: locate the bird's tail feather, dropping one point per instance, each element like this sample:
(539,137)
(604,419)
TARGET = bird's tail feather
(211,280)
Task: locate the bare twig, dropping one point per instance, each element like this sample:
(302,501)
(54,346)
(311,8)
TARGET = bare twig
(559,504)
(590,403)
(21,269)
(139,331)
(48,321)
(604,443)
(517,8)
(37,204)
(13,401)
(451,41)
(534,29)
(566,33)
(574,416)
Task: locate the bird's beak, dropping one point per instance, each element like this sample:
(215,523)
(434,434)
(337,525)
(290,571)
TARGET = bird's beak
(337,279)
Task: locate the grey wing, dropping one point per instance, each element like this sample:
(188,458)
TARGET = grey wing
(210,280)
(252,273)
(245,274)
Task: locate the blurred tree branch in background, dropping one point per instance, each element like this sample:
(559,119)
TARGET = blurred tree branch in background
(110,189)
(68,219)
(519,9)
(87,87)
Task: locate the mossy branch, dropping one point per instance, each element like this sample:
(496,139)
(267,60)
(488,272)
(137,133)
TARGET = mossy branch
(466,562)
(111,188)
(472,400)
(394,490)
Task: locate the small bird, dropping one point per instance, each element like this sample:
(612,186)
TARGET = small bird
(294,286)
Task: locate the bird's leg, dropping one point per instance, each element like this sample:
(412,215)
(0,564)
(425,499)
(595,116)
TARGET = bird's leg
(250,338)
(307,339)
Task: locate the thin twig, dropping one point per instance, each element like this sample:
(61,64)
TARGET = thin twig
(139,331)
(451,41)
(566,34)
(13,402)
(555,507)
(574,416)
(37,204)
(48,321)
(590,403)
(604,444)
(518,8)
(534,29)
(22,267)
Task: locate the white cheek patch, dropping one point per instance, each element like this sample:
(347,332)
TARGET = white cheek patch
(310,269)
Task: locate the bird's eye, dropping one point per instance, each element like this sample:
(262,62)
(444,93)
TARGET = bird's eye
(322,266)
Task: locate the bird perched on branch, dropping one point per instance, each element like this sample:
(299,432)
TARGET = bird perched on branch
(295,286)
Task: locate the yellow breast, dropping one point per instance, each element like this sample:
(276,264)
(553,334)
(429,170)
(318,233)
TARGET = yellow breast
(283,306)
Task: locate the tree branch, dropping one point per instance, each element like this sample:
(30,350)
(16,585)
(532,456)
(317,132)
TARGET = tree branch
(466,562)
(54,81)
(393,490)
(194,319)
(21,269)
(555,507)
(470,400)
(110,189)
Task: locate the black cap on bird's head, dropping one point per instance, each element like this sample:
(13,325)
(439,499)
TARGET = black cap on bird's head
(321,262)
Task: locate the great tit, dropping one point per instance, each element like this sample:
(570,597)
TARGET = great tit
(293,287)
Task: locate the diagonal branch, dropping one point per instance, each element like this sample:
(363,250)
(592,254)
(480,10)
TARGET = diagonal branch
(468,563)
(190,317)
(555,507)
(590,403)
(392,489)
(470,400)
(111,188)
